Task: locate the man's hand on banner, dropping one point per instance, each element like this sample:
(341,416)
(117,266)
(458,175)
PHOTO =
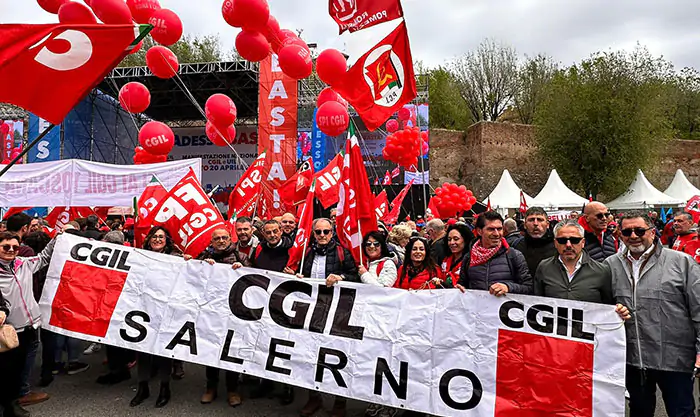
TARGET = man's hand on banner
(623,312)
(288,270)
(187,257)
(461,288)
(498,289)
(436,281)
(2,318)
(236,265)
(210,261)
(333,279)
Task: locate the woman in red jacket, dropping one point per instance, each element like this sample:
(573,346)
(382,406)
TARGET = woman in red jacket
(418,270)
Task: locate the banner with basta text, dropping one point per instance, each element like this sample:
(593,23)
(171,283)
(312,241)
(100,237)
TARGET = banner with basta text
(440,352)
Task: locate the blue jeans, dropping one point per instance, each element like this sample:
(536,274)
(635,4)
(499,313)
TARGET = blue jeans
(676,390)
(72,346)
(32,348)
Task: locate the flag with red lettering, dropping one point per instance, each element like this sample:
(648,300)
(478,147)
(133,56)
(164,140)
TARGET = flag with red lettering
(387,179)
(356,216)
(153,194)
(301,241)
(245,196)
(294,190)
(188,214)
(382,80)
(393,215)
(381,205)
(48,69)
(395,172)
(523,203)
(328,181)
(354,15)
(433,209)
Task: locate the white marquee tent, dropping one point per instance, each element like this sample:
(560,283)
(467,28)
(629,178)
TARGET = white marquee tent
(681,188)
(506,195)
(556,194)
(641,194)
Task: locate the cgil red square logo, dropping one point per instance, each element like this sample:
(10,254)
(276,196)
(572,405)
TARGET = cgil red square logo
(86,298)
(543,376)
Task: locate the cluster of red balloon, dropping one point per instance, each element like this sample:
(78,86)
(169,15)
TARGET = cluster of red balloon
(332,117)
(450,199)
(221,114)
(157,140)
(403,147)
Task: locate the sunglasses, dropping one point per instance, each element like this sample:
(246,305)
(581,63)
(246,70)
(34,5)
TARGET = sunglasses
(323,232)
(573,240)
(639,231)
(372,244)
(220,238)
(601,216)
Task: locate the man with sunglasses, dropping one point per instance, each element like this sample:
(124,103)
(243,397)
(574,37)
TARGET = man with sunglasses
(600,243)
(662,289)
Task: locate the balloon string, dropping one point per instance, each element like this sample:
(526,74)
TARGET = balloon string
(115,87)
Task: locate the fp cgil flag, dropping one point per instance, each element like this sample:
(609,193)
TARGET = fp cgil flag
(328,181)
(48,69)
(354,15)
(381,205)
(295,189)
(245,197)
(382,80)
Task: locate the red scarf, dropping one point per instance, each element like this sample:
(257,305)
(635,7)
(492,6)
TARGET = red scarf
(480,255)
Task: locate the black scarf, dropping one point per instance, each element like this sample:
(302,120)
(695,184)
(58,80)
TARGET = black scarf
(322,250)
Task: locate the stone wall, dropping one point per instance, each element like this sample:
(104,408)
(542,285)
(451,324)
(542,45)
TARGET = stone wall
(477,159)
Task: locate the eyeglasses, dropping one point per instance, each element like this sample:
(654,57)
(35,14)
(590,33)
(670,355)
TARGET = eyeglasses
(158,237)
(10,248)
(220,238)
(639,231)
(372,244)
(601,216)
(573,240)
(323,232)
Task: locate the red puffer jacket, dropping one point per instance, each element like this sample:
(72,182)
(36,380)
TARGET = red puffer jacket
(418,282)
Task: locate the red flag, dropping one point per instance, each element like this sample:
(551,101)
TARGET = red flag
(523,203)
(245,196)
(60,216)
(693,207)
(188,215)
(329,182)
(306,218)
(433,209)
(376,181)
(296,188)
(393,215)
(395,172)
(54,66)
(387,179)
(382,80)
(356,216)
(153,194)
(381,204)
(488,204)
(14,210)
(354,15)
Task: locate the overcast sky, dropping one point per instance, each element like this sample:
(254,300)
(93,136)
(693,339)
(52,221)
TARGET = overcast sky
(567,30)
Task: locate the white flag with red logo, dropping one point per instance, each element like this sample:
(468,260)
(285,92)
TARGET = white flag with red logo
(328,181)
(301,240)
(245,196)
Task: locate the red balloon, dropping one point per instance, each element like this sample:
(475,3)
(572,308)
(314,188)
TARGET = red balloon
(295,61)
(253,46)
(327,94)
(221,110)
(167,26)
(77,13)
(162,62)
(248,14)
(295,40)
(113,12)
(271,33)
(142,10)
(219,136)
(332,118)
(157,138)
(134,97)
(392,126)
(51,6)
(404,114)
(331,66)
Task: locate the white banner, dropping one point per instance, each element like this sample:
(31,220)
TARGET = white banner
(74,182)
(441,352)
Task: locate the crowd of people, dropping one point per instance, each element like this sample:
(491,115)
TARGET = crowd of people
(631,261)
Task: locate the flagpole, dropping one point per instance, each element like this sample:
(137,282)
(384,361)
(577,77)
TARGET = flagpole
(359,231)
(26,149)
(422,168)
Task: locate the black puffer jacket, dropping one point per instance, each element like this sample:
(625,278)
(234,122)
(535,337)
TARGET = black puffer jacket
(597,250)
(272,259)
(536,250)
(507,266)
(334,265)
(226,256)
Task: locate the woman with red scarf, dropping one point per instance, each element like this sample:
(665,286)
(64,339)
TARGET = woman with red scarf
(458,239)
(418,271)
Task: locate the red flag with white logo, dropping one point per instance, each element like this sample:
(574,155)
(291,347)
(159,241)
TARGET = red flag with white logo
(356,216)
(245,196)
(54,66)
(188,215)
(328,182)
(60,216)
(395,172)
(393,215)
(354,15)
(14,210)
(301,241)
(387,179)
(433,209)
(381,205)
(296,188)
(523,203)
(153,194)
(382,80)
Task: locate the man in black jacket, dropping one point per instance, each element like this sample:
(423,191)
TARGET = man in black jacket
(491,265)
(600,243)
(538,242)
(272,254)
(91,231)
(436,231)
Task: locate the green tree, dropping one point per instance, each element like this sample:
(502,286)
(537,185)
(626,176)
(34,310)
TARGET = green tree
(685,93)
(448,110)
(189,49)
(604,118)
(533,79)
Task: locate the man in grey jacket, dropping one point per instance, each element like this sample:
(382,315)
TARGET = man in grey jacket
(662,289)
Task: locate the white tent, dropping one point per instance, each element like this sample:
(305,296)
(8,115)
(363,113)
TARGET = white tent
(681,188)
(556,194)
(641,194)
(506,195)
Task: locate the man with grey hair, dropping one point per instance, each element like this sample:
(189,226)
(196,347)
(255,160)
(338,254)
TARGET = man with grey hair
(662,289)
(687,240)
(115,237)
(435,229)
(511,232)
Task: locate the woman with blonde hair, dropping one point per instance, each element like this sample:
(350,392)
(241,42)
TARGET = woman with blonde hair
(398,239)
